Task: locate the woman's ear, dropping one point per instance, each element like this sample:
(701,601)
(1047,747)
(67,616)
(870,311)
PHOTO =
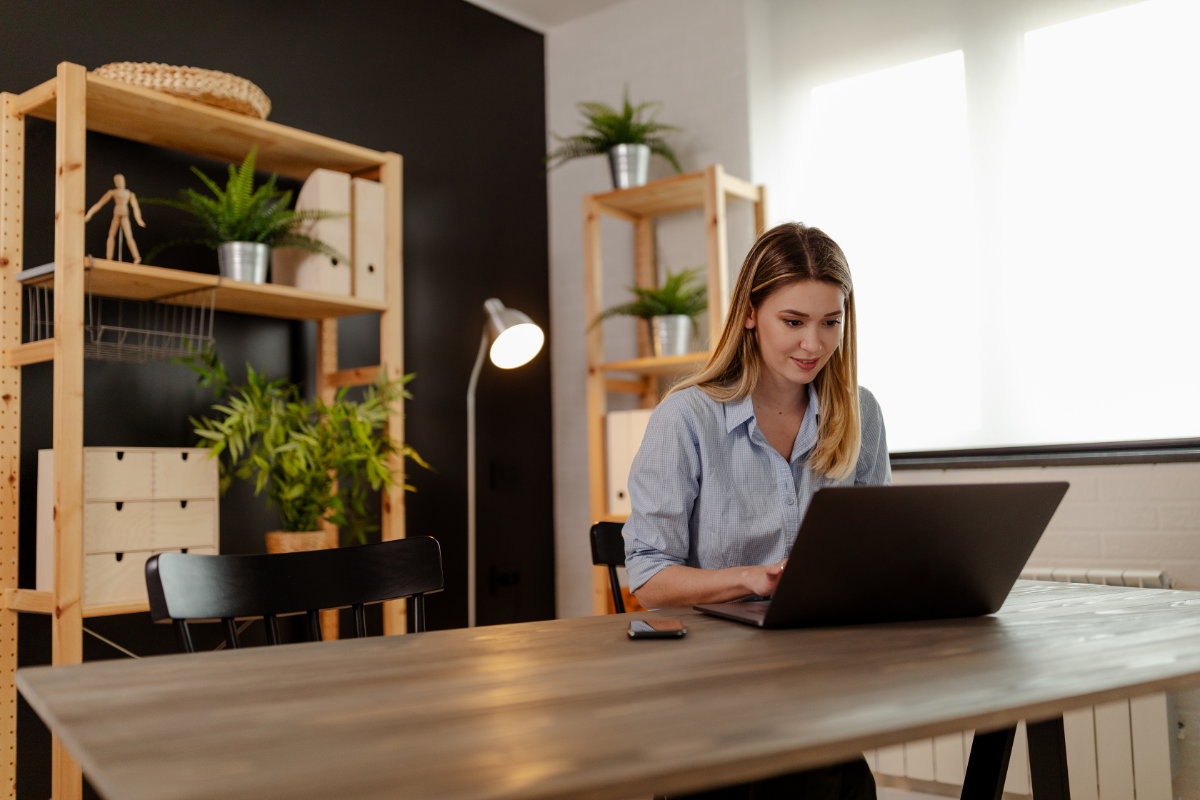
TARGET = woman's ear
(751,321)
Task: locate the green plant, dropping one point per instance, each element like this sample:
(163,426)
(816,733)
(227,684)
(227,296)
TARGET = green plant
(314,460)
(678,295)
(241,213)
(606,128)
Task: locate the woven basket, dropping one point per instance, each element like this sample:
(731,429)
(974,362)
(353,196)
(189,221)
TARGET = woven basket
(206,86)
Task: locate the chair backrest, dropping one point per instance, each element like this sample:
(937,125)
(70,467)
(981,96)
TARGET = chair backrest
(608,550)
(183,586)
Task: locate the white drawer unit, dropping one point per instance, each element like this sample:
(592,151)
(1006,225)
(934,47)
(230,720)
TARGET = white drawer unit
(184,474)
(137,501)
(624,433)
(184,523)
(116,527)
(111,474)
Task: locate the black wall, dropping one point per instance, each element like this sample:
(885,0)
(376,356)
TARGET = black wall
(460,94)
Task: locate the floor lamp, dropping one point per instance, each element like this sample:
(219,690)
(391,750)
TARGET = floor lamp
(514,339)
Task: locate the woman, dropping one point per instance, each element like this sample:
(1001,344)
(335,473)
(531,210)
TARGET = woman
(732,457)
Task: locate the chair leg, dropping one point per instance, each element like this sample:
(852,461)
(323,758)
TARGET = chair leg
(618,600)
(185,636)
(314,626)
(272,628)
(418,613)
(360,620)
(231,636)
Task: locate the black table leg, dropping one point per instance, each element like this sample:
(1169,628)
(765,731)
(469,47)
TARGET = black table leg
(988,766)
(1048,760)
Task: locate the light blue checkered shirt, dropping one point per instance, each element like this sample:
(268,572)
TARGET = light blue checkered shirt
(709,491)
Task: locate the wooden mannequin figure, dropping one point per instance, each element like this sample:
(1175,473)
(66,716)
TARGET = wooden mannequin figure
(122,199)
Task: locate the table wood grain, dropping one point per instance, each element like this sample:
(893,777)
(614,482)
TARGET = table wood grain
(573,709)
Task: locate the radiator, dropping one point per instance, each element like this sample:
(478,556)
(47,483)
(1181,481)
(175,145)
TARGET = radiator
(1127,750)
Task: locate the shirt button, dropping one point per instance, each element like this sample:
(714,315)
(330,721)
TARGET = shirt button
(791,501)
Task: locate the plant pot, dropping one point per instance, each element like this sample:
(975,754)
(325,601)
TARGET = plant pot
(630,165)
(298,542)
(244,261)
(671,334)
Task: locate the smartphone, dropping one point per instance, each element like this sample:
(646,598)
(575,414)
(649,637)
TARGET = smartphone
(657,629)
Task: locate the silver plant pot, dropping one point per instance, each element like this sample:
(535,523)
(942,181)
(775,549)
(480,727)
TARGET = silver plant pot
(244,261)
(630,164)
(671,334)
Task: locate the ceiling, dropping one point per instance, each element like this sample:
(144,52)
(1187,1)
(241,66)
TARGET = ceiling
(541,15)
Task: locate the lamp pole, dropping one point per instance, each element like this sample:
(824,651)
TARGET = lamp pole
(483,343)
(515,339)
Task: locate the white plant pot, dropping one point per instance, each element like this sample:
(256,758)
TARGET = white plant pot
(671,334)
(630,165)
(244,261)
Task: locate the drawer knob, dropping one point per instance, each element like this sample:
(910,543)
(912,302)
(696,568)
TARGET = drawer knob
(183,503)
(120,556)
(119,504)
(120,455)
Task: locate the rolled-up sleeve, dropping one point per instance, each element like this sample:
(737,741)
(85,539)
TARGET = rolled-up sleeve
(874,467)
(663,485)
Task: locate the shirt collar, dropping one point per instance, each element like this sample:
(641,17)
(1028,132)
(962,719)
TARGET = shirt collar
(806,438)
(739,411)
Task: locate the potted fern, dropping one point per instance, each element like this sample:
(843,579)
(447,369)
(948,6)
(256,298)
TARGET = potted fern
(315,460)
(623,135)
(243,223)
(670,311)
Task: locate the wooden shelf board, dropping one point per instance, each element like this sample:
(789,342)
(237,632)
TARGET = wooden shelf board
(28,353)
(152,117)
(668,196)
(139,282)
(139,607)
(666,365)
(358,376)
(28,600)
(35,602)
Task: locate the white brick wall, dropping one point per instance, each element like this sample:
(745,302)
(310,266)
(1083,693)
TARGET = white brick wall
(1142,516)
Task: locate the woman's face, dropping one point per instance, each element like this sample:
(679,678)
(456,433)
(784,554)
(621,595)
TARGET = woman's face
(798,328)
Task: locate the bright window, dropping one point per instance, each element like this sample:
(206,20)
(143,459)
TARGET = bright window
(889,179)
(1100,305)
(1045,289)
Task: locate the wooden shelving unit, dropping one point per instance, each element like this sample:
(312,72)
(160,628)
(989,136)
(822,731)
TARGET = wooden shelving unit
(709,190)
(78,102)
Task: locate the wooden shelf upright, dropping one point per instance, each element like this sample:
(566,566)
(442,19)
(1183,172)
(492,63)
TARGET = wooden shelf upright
(78,102)
(709,190)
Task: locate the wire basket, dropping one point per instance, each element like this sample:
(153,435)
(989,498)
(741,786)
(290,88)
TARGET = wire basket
(132,331)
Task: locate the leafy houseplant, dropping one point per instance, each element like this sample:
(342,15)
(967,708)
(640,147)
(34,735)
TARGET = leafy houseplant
(315,460)
(669,310)
(623,135)
(240,213)
(679,295)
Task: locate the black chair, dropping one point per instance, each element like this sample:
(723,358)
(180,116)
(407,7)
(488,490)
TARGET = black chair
(608,550)
(183,587)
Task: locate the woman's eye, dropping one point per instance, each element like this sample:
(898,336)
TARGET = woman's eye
(792,323)
(831,322)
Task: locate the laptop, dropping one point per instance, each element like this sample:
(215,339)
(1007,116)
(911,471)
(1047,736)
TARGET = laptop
(869,554)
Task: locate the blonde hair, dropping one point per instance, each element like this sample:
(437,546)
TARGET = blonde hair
(784,255)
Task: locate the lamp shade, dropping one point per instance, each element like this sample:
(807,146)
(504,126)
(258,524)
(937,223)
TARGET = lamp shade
(515,337)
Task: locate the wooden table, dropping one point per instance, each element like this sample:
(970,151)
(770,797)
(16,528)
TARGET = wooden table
(573,709)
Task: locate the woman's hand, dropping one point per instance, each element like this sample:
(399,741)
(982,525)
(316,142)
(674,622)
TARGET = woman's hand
(685,586)
(762,580)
